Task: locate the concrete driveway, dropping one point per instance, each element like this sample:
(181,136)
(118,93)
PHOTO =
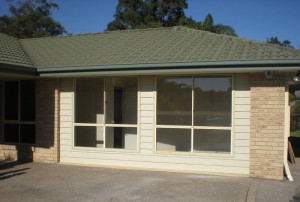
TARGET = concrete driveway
(57,182)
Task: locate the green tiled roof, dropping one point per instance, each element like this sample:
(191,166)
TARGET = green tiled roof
(11,52)
(149,46)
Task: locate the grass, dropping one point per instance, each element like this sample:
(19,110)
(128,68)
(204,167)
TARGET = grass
(295,133)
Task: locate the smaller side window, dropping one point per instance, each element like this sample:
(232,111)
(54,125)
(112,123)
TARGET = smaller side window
(19,111)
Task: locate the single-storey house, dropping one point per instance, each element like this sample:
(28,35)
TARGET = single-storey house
(173,99)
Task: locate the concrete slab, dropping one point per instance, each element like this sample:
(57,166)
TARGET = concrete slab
(56,182)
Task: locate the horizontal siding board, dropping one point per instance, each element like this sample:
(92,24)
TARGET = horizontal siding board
(242,93)
(147,107)
(66,106)
(242,136)
(146,145)
(242,101)
(145,139)
(159,166)
(66,130)
(147,126)
(67,142)
(138,158)
(242,115)
(242,143)
(147,94)
(242,129)
(147,100)
(66,101)
(242,150)
(242,108)
(65,118)
(242,122)
(144,151)
(147,113)
(147,133)
(66,112)
(147,120)
(66,124)
(66,136)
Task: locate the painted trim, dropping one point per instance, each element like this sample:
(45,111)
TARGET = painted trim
(205,64)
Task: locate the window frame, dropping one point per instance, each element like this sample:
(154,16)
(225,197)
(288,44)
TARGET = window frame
(104,124)
(192,127)
(18,122)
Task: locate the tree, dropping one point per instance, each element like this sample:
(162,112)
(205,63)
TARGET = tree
(208,25)
(29,19)
(275,40)
(134,14)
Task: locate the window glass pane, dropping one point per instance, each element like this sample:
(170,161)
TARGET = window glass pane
(88,136)
(174,101)
(212,101)
(173,139)
(121,100)
(89,101)
(212,140)
(27,133)
(122,138)
(11,133)
(11,100)
(27,100)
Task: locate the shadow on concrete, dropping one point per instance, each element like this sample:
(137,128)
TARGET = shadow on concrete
(8,169)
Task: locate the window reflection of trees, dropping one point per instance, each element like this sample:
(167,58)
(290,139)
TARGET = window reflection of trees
(174,103)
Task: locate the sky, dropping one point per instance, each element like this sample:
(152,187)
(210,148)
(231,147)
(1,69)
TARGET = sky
(251,19)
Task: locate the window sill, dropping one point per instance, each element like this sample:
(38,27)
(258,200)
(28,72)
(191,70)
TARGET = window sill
(196,154)
(105,150)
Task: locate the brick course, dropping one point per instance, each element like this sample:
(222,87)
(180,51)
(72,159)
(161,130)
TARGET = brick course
(267,126)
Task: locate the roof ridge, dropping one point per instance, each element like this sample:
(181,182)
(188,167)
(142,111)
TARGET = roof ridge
(100,33)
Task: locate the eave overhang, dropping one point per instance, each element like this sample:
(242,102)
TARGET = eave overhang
(174,68)
(18,69)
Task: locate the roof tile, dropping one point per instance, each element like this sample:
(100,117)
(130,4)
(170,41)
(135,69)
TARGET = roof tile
(11,52)
(135,47)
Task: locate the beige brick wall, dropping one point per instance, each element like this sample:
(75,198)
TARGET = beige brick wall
(267,126)
(47,121)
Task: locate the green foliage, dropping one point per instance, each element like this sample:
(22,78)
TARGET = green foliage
(291,97)
(297,108)
(31,18)
(275,40)
(208,25)
(136,14)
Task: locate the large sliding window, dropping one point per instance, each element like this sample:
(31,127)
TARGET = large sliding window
(106,112)
(194,114)
(19,111)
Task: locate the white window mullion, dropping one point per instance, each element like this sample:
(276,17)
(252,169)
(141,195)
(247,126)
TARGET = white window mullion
(104,111)
(19,109)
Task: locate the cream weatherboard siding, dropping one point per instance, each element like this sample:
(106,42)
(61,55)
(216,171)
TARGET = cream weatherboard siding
(146,157)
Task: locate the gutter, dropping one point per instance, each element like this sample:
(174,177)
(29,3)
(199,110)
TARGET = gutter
(167,68)
(17,69)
